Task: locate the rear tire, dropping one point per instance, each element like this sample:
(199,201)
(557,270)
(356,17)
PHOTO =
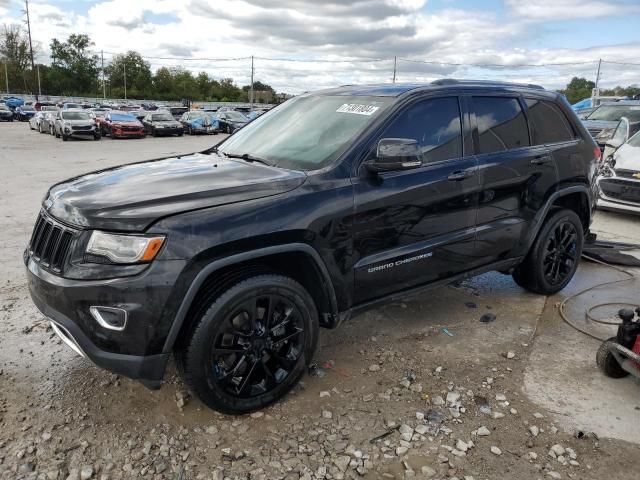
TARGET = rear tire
(554,256)
(252,344)
(608,363)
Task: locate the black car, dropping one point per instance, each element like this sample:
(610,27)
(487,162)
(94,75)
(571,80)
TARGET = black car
(230,120)
(161,123)
(331,203)
(6,115)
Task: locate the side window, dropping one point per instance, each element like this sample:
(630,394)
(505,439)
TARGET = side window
(435,124)
(501,124)
(550,125)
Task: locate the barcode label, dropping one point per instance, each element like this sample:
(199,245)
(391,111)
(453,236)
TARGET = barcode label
(357,109)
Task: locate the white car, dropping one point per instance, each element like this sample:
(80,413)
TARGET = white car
(619,179)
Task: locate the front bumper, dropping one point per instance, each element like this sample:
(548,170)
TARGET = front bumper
(136,352)
(619,194)
(168,131)
(127,133)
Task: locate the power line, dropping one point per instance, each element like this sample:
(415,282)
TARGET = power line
(498,65)
(621,63)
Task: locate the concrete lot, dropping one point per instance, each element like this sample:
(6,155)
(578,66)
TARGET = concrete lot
(60,415)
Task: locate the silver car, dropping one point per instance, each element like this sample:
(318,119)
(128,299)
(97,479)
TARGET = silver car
(34,122)
(75,123)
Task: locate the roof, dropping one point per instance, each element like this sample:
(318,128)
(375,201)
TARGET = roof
(397,89)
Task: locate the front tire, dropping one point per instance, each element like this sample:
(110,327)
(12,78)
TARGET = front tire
(553,258)
(252,344)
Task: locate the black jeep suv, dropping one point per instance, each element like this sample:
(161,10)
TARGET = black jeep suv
(232,258)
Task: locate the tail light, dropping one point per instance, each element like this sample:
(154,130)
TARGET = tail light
(597,154)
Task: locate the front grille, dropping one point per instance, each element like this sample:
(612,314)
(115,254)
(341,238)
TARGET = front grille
(627,173)
(131,129)
(50,243)
(81,127)
(622,190)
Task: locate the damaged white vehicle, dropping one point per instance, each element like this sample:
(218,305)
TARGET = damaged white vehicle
(619,179)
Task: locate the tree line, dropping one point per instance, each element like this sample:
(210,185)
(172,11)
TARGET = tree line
(75,70)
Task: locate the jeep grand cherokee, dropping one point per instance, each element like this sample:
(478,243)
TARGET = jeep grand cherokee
(232,258)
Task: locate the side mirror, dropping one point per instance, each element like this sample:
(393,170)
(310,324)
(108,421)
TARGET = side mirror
(395,154)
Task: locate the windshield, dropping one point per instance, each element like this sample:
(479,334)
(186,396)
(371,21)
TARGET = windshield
(28,109)
(71,105)
(3,107)
(635,140)
(614,113)
(161,117)
(75,116)
(306,133)
(237,116)
(121,117)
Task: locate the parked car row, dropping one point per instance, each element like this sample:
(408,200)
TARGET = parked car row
(95,123)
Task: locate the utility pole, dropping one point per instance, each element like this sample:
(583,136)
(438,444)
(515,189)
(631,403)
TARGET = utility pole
(33,67)
(125,80)
(395,59)
(251,89)
(39,89)
(104,88)
(6,75)
(597,92)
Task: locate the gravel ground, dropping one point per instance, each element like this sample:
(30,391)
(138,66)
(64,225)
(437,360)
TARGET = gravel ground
(442,391)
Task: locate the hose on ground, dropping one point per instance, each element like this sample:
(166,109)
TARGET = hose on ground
(588,315)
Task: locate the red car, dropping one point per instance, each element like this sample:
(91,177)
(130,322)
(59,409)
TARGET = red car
(121,125)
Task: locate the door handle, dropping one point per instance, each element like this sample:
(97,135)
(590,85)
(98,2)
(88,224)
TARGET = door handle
(541,160)
(461,175)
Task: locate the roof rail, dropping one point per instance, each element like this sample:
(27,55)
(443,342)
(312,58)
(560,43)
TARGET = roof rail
(453,81)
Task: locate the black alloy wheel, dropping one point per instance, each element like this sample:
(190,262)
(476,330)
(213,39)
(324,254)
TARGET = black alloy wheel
(257,346)
(553,258)
(560,253)
(252,344)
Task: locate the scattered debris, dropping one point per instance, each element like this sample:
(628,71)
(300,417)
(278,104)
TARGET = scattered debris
(488,318)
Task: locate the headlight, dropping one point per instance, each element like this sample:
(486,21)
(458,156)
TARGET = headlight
(605,135)
(124,248)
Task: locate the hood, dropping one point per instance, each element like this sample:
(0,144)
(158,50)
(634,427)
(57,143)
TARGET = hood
(126,123)
(169,123)
(79,122)
(627,158)
(132,197)
(599,124)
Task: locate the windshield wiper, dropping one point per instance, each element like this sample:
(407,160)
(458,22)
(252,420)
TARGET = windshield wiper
(247,158)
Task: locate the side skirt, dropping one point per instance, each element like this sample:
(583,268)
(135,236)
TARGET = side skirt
(502,265)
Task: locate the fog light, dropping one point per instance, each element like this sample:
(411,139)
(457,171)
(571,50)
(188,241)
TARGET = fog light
(109,317)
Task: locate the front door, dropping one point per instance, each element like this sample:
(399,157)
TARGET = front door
(416,226)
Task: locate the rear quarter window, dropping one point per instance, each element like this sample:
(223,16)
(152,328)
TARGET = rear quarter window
(550,125)
(501,124)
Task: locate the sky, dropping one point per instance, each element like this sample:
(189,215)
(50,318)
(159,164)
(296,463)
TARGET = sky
(302,45)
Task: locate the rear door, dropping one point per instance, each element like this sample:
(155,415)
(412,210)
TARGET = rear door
(416,226)
(516,175)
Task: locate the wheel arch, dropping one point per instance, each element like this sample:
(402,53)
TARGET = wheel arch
(576,198)
(296,260)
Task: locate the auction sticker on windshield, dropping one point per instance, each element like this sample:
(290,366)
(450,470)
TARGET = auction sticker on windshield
(357,109)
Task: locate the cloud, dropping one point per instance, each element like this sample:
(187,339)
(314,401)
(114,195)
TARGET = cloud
(569,9)
(361,37)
